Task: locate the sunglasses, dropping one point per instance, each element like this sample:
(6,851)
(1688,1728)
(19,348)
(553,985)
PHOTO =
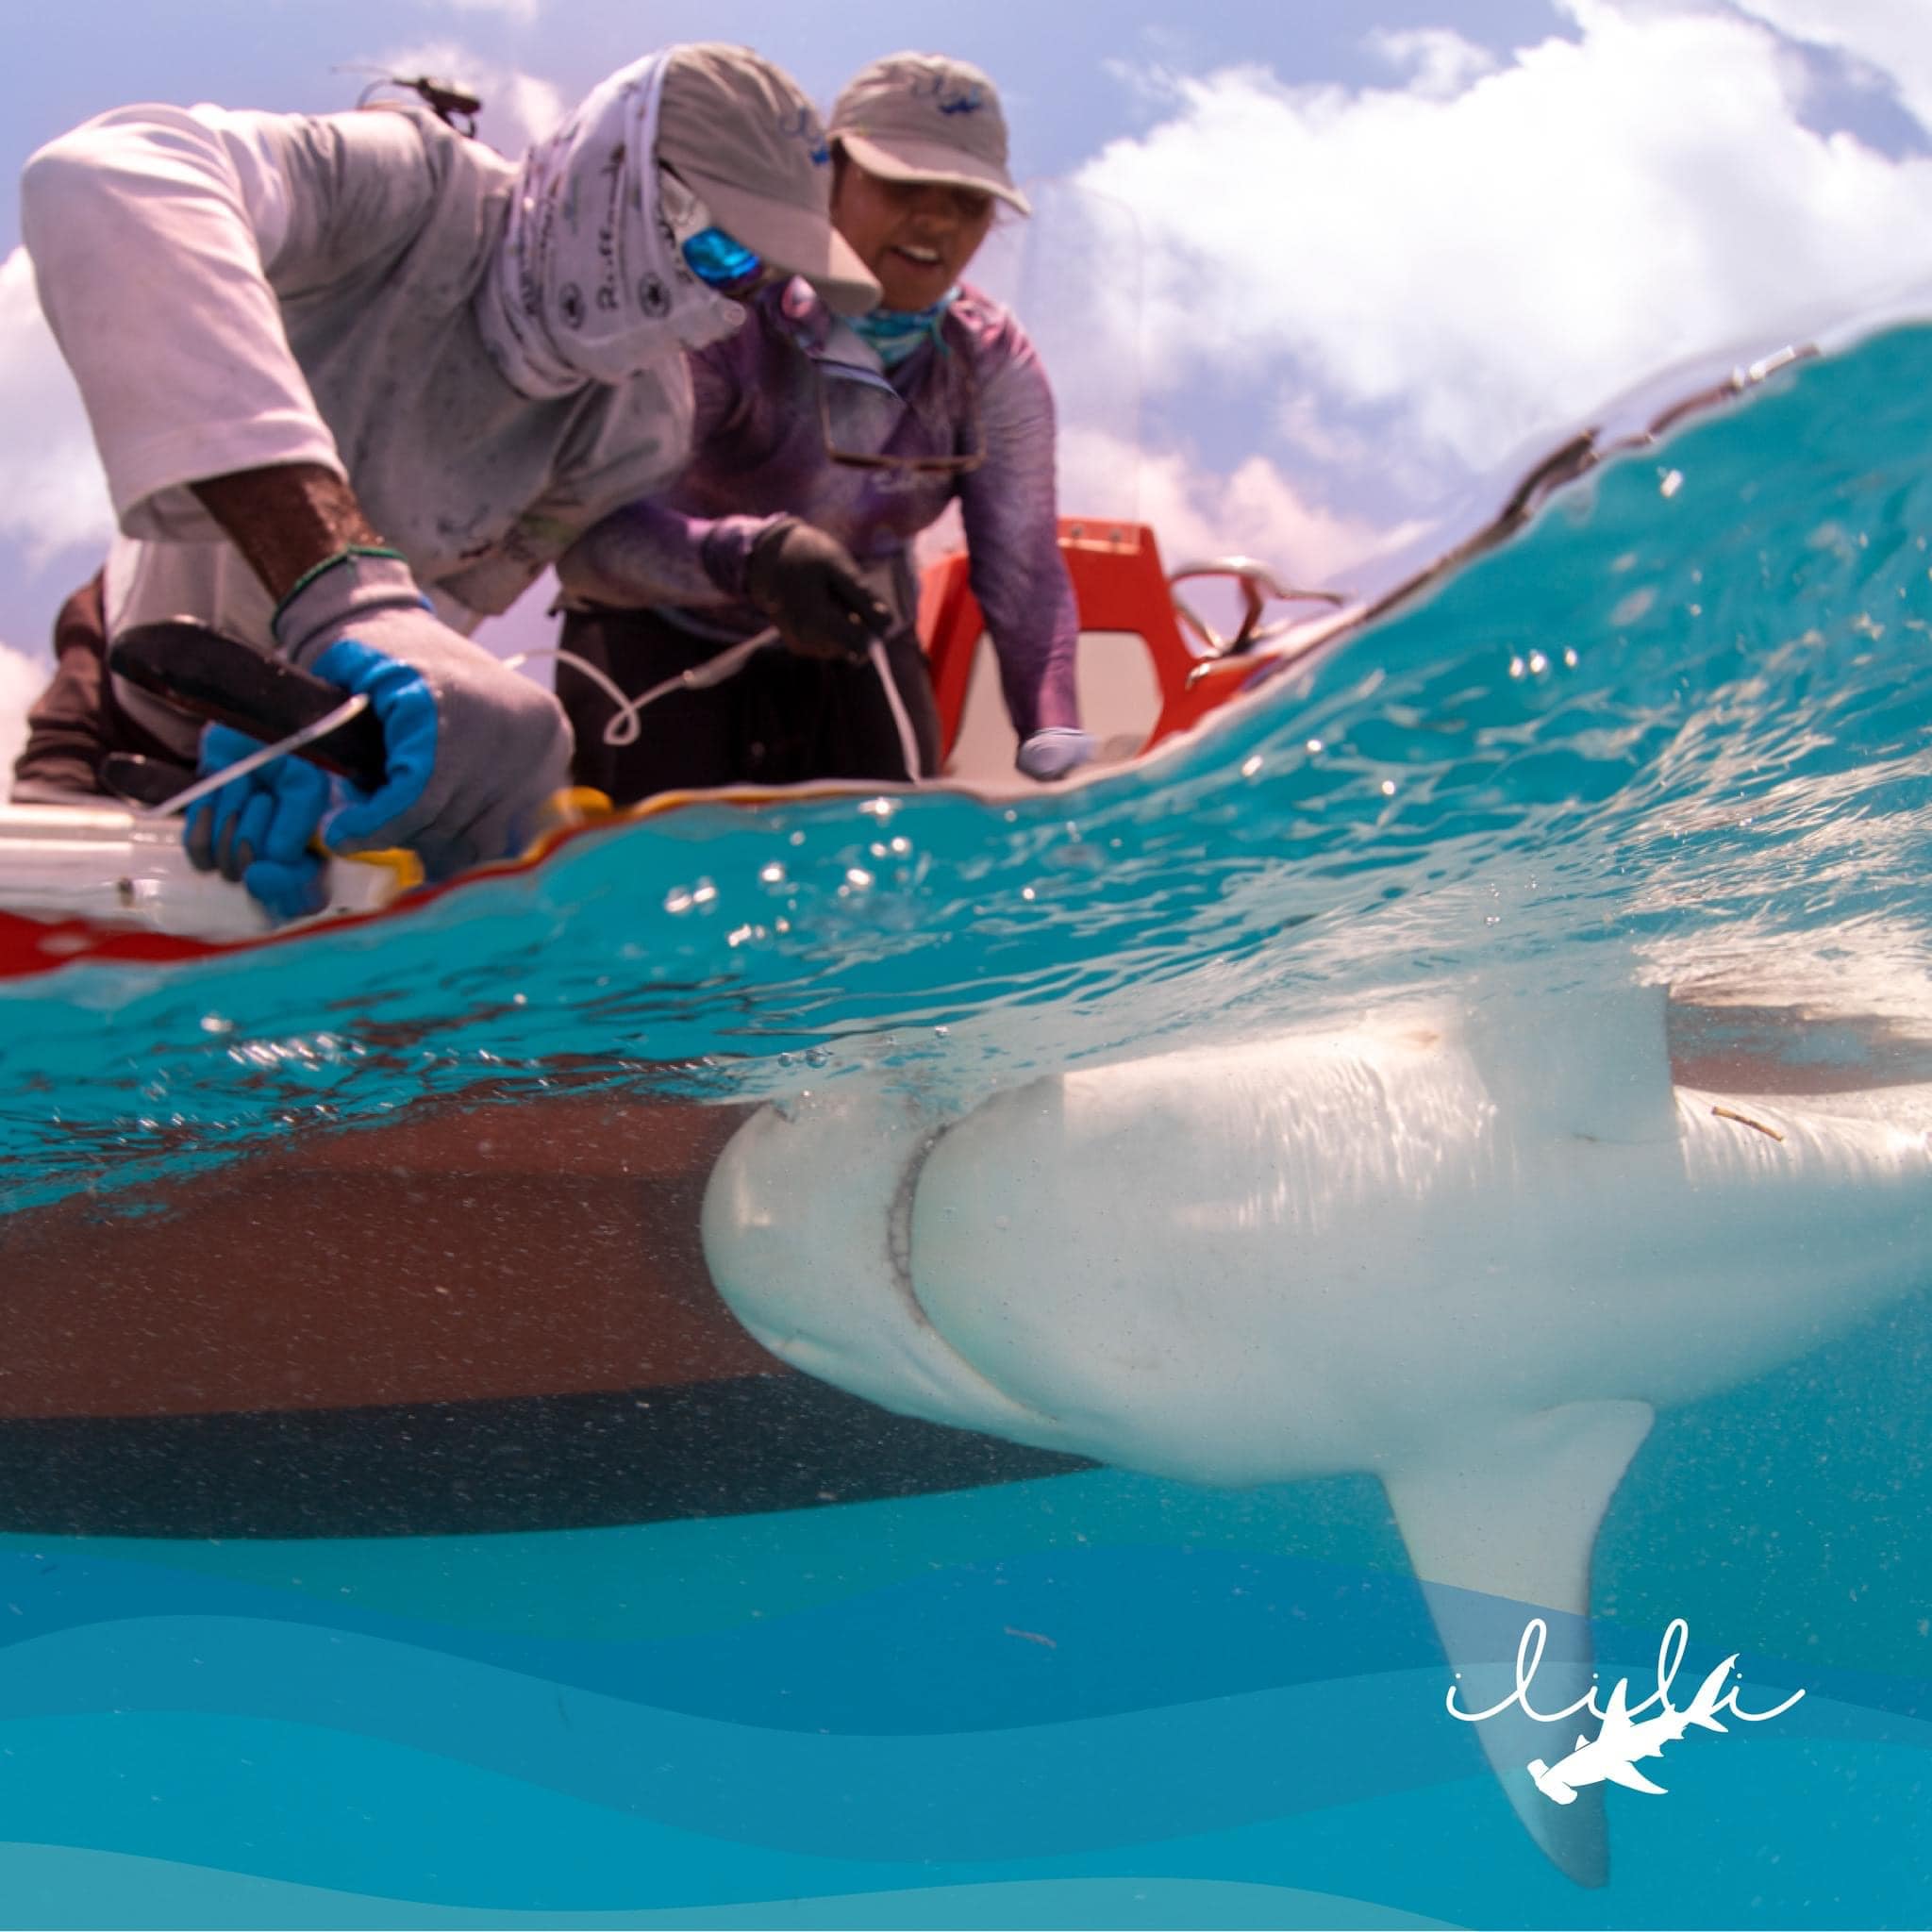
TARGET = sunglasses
(719,260)
(958,464)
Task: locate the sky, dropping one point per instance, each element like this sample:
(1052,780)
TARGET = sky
(1314,279)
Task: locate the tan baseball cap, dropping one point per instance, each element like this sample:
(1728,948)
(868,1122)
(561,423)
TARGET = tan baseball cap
(922,117)
(740,132)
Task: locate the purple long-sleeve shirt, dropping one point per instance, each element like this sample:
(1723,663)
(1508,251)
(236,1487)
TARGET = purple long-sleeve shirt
(759,450)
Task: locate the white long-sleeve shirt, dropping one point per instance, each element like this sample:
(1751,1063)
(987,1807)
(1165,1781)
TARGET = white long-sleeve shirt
(234,290)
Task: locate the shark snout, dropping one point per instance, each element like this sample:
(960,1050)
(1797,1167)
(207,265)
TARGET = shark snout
(809,1231)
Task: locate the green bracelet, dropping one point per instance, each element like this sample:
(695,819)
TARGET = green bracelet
(347,555)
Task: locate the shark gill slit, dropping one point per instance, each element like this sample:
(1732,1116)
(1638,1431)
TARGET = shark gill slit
(899,1261)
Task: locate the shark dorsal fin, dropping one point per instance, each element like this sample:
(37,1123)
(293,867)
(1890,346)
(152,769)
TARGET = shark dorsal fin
(1600,1072)
(1709,1690)
(1618,1710)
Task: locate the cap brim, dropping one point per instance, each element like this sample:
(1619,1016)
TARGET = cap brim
(924,160)
(796,240)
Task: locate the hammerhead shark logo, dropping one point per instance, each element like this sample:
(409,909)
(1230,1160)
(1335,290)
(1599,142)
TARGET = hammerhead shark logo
(1611,1756)
(1612,1753)
(950,99)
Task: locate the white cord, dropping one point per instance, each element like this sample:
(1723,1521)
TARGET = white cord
(352,707)
(625,727)
(909,743)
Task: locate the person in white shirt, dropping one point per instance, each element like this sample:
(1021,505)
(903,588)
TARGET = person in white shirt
(356,380)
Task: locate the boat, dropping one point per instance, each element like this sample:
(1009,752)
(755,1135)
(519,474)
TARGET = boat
(476,1317)
(102,883)
(493,1312)
(111,882)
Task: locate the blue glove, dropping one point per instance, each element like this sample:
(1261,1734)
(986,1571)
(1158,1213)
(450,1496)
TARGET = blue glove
(259,830)
(1054,752)
(475,751)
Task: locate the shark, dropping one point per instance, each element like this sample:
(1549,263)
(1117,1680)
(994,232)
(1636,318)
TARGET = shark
(1613,1753)
(1469,1246)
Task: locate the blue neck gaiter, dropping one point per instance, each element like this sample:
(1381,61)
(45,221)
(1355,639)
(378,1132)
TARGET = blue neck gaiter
(896,333)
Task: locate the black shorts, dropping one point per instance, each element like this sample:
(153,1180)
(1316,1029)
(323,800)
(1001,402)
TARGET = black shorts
(75,724)
(782,720)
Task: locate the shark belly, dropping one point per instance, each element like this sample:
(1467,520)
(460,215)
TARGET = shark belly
(1328,1252)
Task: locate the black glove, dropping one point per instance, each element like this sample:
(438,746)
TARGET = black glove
(808,585)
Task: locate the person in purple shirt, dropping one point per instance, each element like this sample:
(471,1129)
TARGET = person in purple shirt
(821,448)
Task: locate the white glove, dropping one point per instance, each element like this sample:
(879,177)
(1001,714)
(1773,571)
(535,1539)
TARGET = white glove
(475,751)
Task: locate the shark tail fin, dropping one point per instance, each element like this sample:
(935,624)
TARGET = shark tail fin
(1703,1709)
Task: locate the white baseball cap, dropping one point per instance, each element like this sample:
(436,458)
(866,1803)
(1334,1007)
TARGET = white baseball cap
(740,133)
(923,117)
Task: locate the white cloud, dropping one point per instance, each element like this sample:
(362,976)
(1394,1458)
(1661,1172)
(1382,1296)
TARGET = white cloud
(1442,62)
(532,107)
(1255,511)
(1471,271)
(21,678)
(518,107)
(1895,37)
(52,493)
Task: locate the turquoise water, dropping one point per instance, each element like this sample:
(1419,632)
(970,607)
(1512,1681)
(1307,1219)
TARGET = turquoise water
(1681,716)
(1682,722)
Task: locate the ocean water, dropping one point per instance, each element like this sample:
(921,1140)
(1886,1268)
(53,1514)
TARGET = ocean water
(1678,727)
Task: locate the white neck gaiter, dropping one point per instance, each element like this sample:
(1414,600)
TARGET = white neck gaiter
(588,284)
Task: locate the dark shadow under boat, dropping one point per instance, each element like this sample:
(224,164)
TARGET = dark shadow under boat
(473,1319)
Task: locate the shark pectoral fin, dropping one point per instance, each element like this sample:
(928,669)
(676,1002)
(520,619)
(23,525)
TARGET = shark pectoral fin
(1501,1530)
(1631,1778)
